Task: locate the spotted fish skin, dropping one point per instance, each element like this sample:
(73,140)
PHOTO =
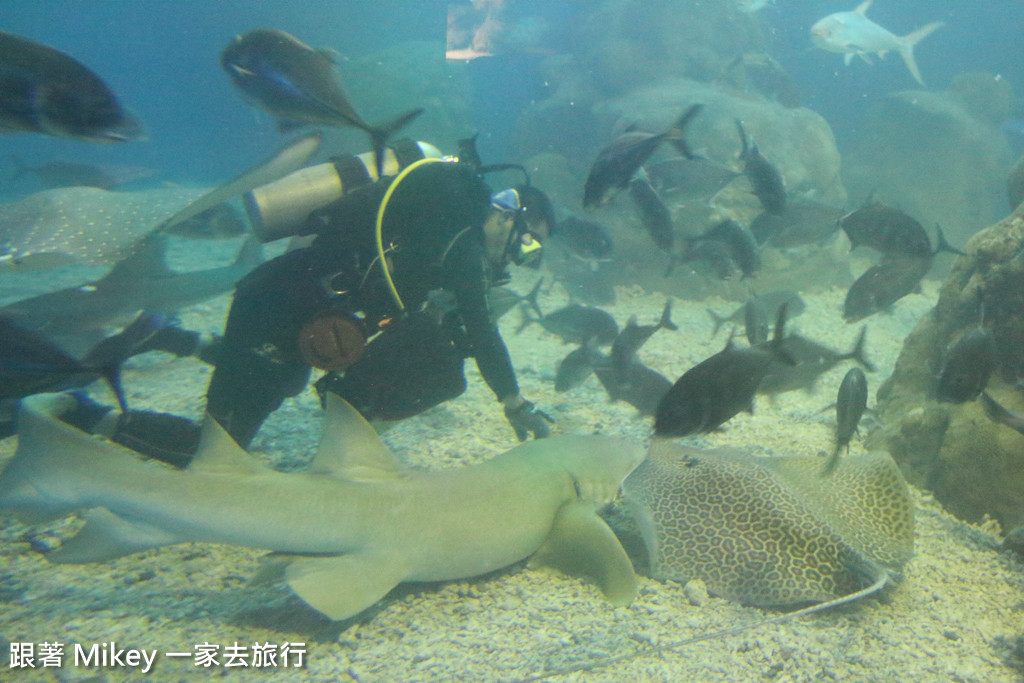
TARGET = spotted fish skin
(83,224)
(770,532)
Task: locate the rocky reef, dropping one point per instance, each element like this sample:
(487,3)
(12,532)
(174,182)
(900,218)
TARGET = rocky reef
(974,466)
(940,156)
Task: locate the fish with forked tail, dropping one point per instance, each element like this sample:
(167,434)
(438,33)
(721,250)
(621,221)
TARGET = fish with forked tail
(617,163)
(852,33)
(851,401)
(296,85)
(716,389)
(762,174)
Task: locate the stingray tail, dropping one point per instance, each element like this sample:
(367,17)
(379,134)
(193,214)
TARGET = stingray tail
(379,136)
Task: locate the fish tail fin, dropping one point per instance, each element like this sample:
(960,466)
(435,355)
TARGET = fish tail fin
(531,297)
(718,320)
(677,132)
(744,143)
(943,245)
(58,470)
(833,460)
(912,39)
(525,320)
(379,136)
(858,352)
(666,317)
(40,483)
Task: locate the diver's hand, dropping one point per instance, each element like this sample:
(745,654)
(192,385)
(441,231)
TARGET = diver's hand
(526,419)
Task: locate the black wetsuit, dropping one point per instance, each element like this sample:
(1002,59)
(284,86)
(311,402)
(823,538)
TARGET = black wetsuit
(433,227)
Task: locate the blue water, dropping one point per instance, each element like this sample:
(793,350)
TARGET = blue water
(161,57)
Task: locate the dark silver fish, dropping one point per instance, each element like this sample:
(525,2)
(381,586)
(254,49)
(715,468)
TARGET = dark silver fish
(296,84)
(584,239)
(32,364)
(883,284)
(768,301)
(617,163)
(800,222)
(627,379)
(636,384)
(46,91)
(967,367)
(716,255)
(696,177)
(576,324)
(634,336)
(739,243)
(587,283)
(716,389)
(851,401)
(654,215)
(885,229)
(997,413)
(755,322)
(762,174)
(578,365)
(812,361)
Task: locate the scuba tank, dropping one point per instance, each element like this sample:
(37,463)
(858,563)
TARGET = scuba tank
(280,209)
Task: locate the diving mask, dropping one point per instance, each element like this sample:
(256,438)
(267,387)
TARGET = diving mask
(523,247)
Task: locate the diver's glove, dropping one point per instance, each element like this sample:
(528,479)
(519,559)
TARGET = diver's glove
(526,419)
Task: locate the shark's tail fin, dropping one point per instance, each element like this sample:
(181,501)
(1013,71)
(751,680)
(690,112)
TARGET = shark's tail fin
(38,483)
(58,470)
(912,39)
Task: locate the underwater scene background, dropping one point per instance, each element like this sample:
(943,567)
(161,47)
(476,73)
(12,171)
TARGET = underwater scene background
(552,85)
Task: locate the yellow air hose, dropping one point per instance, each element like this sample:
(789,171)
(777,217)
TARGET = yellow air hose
(380,224)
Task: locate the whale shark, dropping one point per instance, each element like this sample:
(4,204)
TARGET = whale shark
(352,527)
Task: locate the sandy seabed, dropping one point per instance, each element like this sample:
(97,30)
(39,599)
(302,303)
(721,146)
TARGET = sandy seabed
(957,614)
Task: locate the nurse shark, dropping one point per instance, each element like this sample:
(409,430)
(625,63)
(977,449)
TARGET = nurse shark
(351,528)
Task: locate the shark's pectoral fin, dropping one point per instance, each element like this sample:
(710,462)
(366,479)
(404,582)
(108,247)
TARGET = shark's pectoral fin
(106,536)
(343,586)
(580,543)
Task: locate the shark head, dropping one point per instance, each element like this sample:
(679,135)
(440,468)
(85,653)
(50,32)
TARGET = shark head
(596,464)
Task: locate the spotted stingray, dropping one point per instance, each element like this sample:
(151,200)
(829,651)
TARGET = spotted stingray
(772,532)
(82,224)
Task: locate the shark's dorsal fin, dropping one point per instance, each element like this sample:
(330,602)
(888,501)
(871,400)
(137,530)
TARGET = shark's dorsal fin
(862,8)
(219,454)
(350,447)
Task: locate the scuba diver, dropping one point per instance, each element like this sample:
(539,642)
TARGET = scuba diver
(378,250)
